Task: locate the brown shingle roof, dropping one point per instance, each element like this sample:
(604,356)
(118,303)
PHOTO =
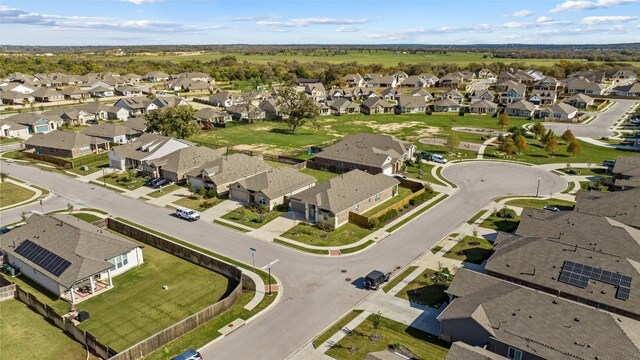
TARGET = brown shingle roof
(277,182)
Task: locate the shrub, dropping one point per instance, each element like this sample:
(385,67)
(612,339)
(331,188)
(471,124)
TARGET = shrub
(211,193)
(201,191)
(387,216)
(324,227)
(207,204)
(260,219)
(506,213)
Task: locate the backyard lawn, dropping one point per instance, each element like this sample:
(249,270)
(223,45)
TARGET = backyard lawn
(311,235)
(501,224)
(250,217)
(199,203)
(320,175)
(425,291)
(540,203)
(402,193)
(470,249)
(11,193)
(356,345)
(27,335)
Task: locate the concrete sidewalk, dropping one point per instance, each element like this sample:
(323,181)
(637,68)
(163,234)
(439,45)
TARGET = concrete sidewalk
(95,175)
(217,211)
(169,198)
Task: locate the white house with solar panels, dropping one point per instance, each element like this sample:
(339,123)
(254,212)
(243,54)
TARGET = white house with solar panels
(69,257)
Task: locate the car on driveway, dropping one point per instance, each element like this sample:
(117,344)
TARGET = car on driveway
(162,183)
(635,121)
(424,155)
(438,158)
(188,355)
(400,176)
(551,208)
(609,163)
(376,278)
(151,181)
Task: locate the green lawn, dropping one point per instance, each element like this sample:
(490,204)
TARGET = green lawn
(11,194)
(402,193)
(320,175)
(476,216)
(249,217)
(15,154)
(199,203)
(414,172)
(357,248)
(311,235)
(416,214)
(8,140)
(584,171)
(164,191)
(301,248)
(396,279)
(335,328)
(123,180)
(496,223)
(25,334)
(539,204)
(470,249)
(426,346)
(424,291)
(86,217)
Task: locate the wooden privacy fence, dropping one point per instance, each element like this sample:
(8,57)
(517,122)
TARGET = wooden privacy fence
(366,221)
(66,164)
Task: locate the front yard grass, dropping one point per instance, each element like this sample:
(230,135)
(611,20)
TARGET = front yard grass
(86,217)
(250,217)
(402,193)
(396,280)
(477,216)
(417,213)
(426,346)
(320,175)
(8,140)
(344,235)
(424,290)
(335,328)
(540,203)
(414,173)
(198,202)
(11,194)
(123,180)
(584,171)
(497,223)
(164,191)
(470,249)
(27,335)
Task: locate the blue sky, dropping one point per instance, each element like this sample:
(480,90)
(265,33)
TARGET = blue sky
(139,22)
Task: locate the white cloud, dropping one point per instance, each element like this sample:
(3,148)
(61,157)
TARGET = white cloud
(311,21)
(594,20)
(140,2)
(520,13)
(515,25)
(250,18)
(569,5)
(543,20)
(348,29)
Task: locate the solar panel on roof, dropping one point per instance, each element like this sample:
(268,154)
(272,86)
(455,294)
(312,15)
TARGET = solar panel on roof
(577,274)
(42,257)
(623,293)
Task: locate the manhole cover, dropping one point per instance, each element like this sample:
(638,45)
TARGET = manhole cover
(343,271)
(230,325)
(347,279)
(397,267)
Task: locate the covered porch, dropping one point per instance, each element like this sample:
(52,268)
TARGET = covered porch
(89,287)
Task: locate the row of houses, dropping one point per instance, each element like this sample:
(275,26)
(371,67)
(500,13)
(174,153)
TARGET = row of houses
(563,285)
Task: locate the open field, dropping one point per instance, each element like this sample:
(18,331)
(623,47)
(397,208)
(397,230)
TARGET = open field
(27,335)
(366,57)
(12,194)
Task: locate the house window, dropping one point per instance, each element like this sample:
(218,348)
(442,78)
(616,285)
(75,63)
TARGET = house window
(262,201)
(514,354)
(376,197)
(119,261)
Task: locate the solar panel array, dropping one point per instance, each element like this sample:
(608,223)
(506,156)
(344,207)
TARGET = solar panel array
(577,274)
(42,257)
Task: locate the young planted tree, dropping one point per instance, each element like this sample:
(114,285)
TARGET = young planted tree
(507,146)
(453,141)
(548,136)
(568,136)
(551,145)
(503,120)
(538,129)
(521,143)
(574,147)
(296,108)
(3,176)
(376,321)
(175,121)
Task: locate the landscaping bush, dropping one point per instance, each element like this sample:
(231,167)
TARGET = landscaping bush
(207,204)
(422,197)
(506,213)
(387,216)
(324,227)
(260,219)
(211,193)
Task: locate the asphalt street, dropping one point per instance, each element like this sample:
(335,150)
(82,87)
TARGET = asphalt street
(316,291)
(600,126)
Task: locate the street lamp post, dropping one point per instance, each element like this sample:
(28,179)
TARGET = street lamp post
(253,257)
(538,188)
(269,266)
(104,179)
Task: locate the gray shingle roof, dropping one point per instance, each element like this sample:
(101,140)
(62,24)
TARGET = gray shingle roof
(234,167)
(622,206)
(187,159)
(627,166)
(108,130)
(85,246)
(366,149)
(65,140)
(143,146)
(342,192)
(462,351)
(277,182)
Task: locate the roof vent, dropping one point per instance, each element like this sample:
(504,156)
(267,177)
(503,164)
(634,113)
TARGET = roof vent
(576,319)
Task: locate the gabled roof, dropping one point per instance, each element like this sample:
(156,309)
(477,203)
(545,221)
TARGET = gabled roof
(416,101)
(136,102)
(45,92)
(622,206)
(342,104)
(108,130)
(187,159)
(30,118)
(375,101)
(562,108)
(462,351)
(366,149)
(630,88)
(522,105)
(86,247)
(144,146)
(139,124)
(484,104)
(446,103)
(277,182)
(342,192)
(209,113)
(226,169)
(627,165)
(579,97)
(168,101)
(64,140)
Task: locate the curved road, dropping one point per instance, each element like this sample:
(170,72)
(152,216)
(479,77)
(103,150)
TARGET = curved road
(315,292)
(599,127)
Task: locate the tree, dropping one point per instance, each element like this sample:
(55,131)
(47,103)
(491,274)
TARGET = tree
(453,141)
(376,321)
(3,176)
(507,146)
(503,120)
(568,136)
(538,129)
(69,207)
(521,143)
(175,121)
(574,147)
(296,108)
(551,145)
(548,136)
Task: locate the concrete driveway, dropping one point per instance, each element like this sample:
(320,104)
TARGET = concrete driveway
(316,291)
(600,127)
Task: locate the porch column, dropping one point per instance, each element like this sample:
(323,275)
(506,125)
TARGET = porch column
(110,280)
(92,285)
(73,296)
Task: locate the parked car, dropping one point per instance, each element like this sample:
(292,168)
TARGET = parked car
(551,208)
(190,354)
(400,176)
(635,121)
(150,181)
(162,183)
(438,158)
(92,122)
(609,163)
(188,214)
(375,278)
(425,155)
(4,230)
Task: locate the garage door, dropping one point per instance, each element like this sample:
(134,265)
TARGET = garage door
(239,195)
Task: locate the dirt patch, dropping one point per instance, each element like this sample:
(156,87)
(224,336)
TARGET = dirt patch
(261,128)
(396,127)
(258,148)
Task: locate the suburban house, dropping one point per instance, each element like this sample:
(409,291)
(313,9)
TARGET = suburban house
(411,105)
(37,123)
(12,129)
(520,108)
(269,188)
(246,112)
(400,76)
(72,116)
(591,75)
(431,79)
(47,95)
(65,144)
(520,323)
(543,97)
(446,105)
(414,81)
(117,113)
(485,73)
(391,94)
(101,92)
(627,90)
(69,257)
(483,107)
(453,95)
(462,351)
(162,102)
(451,80)
(16,98)
(136,105)
(96,109)
(177,164)
(316,91)
(146,147)
(211,116)
(547,83)
(372,153)
(195,76)
(482,94)
(549,250)
(626,172)
(375,105)
(422,93)
(223,171)
(361,93)
(627,75)
(343,106)
(331,201)
(74,93)
(580,101)
(621,206)
(511,91)
(324,109)
(354,80)
(558,112)
(335,94)
(271,109)
(584,86)
(224,99)
(113,133)
(156,76)
(383,82)
(127,90)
